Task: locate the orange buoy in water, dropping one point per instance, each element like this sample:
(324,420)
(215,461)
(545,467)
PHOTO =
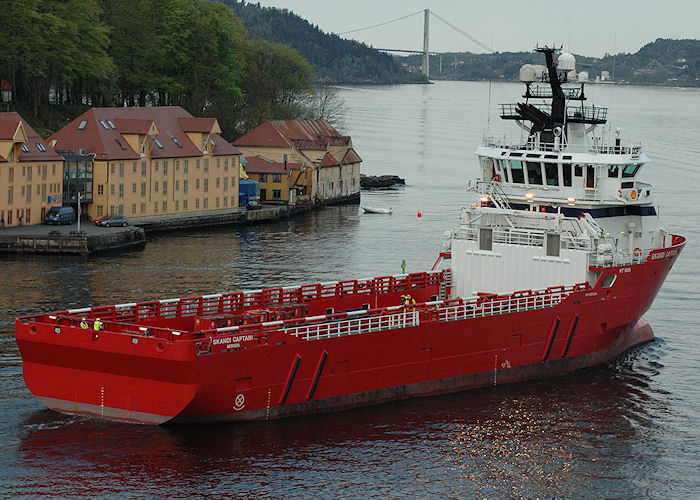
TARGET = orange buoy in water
(420,214)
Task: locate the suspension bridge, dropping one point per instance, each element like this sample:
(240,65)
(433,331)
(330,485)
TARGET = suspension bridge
(427,13)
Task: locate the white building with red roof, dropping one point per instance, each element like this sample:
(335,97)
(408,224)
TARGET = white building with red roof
(30,173)
(154,161)
(330,167)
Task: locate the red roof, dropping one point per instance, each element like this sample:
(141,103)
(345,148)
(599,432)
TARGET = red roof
(131,126)
(301,134)
(262,165)
(102,133)
(36,148)
(351,156)
(329,161)
(204,125)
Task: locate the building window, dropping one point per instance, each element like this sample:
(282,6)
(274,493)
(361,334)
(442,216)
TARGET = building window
(100,210)
(206,185)
(143,208)
(225,201)
(121,209)
(133,208)
(165,206)
(276,194)
(225,164)
(155,186)
(184,204)
(143,189)
(111,209)
(165,187)
(133,188)
(112,168)
(177,164)
(133,167)
(177,205)
(225,183)
(155,207)
(9,195)
(43,172)
(121,170)
(143,169)
(29,173)
(276,178)
(12,174)
(121,190)
(233,201)
(206,202)
(184,186)
(263,177)
(218,163)
(165,166)
(177,185)
(186,166)
(197,163)
(218,183)
(217,202)
(206,164)
(196,183)
(111,189)
(196,203)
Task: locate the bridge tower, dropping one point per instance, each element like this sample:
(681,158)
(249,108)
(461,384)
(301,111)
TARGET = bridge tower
(426,51)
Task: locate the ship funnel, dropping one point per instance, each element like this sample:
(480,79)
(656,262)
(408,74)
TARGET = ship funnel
(527,73)
(567,62)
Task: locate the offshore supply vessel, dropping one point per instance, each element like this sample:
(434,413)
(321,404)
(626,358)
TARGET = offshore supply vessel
(549,271)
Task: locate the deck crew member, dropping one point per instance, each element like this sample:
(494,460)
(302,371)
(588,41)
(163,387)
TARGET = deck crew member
(84,323)
(98,325)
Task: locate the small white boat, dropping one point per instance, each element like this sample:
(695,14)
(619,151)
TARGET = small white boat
(373,210)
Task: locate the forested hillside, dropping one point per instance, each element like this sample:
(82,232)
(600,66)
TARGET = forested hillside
(62,56)
(334,59)
(662,62)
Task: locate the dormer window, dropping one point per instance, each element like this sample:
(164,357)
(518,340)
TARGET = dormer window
(82,125)
(158,144)
(25,148)
(119,143)
(41,147)
(111,124)
(106,127)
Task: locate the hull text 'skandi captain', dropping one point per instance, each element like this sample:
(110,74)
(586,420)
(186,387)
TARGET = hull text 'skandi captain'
(549,271)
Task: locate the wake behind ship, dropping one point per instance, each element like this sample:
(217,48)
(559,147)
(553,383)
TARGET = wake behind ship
(549,271)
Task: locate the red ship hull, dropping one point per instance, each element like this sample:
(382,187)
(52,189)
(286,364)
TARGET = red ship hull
(271,370)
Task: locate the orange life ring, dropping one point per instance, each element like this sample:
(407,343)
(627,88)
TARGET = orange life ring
(633,194)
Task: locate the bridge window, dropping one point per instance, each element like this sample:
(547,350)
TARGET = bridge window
(503,168)
(630,170)
(578,170)
(534,173)
(516,170)
(551,173)
(566,171)
(613,171)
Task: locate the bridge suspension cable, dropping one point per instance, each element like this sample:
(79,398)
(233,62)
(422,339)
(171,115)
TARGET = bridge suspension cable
(381,24)
(482,45)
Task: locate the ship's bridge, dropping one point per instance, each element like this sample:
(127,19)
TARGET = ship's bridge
(566,178)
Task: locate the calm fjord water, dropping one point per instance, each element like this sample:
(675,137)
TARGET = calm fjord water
(626,429)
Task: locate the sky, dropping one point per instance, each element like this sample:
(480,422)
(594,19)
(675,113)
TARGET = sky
(586,27)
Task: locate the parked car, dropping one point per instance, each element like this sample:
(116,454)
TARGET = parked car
(59,215)
(99,219)
(113,220)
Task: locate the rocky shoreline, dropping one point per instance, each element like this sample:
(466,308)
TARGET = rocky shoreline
(381,181)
